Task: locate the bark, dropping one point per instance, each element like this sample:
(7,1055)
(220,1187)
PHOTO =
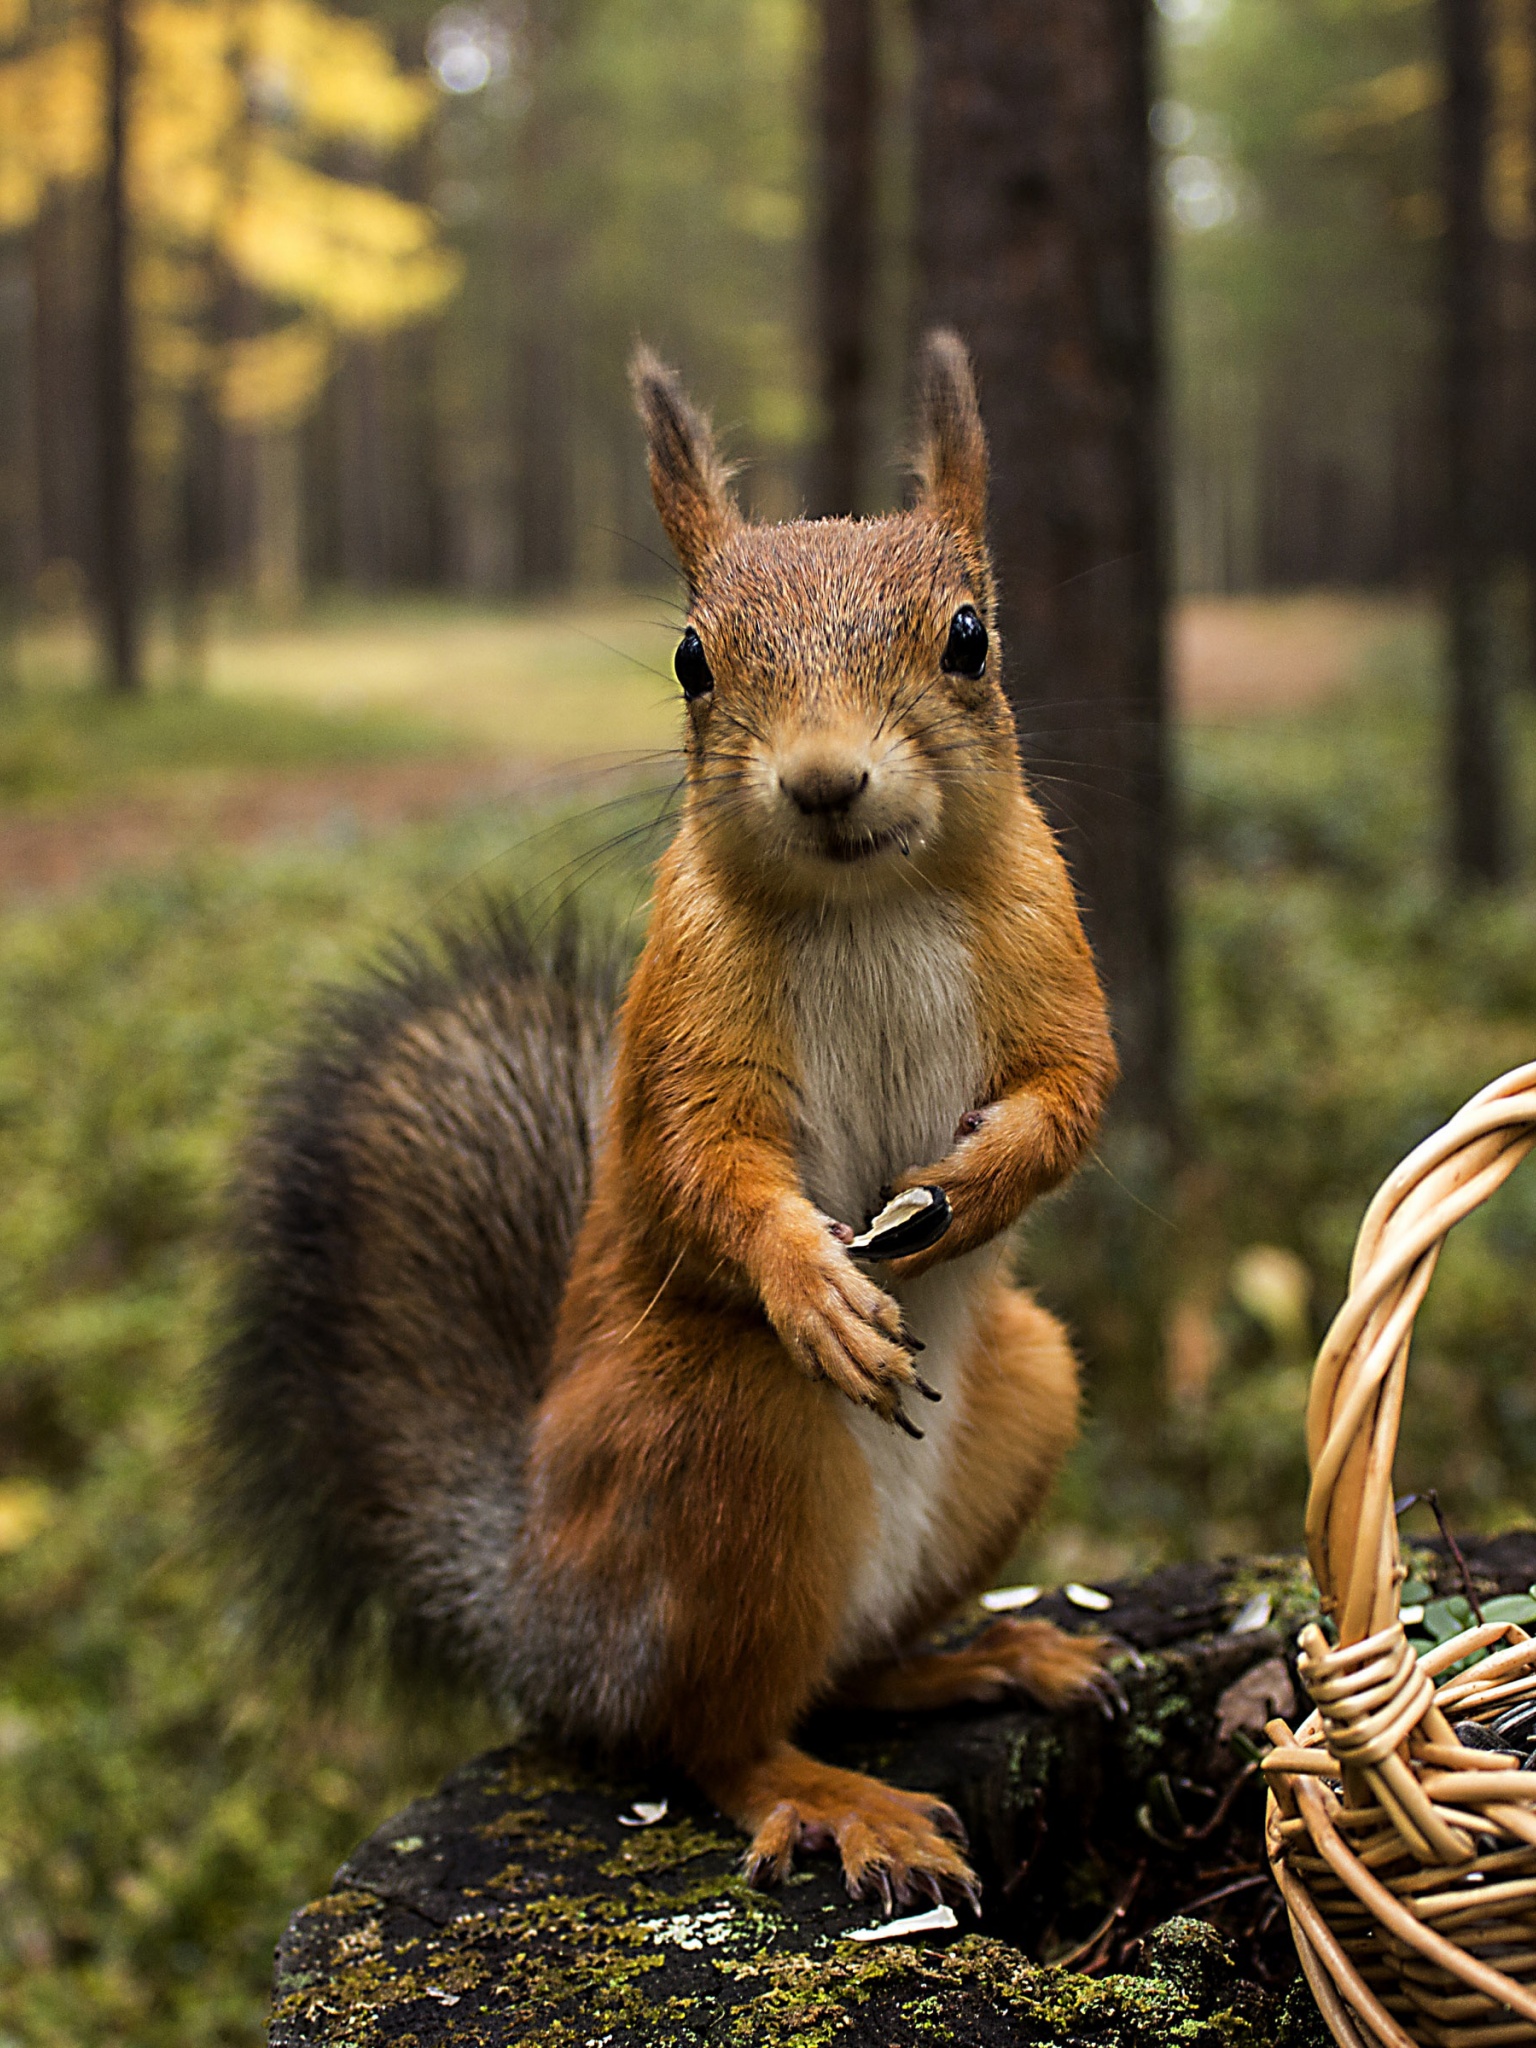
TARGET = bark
(544,512)
(544,520)
(362,482)
(845,250)
(198,536)
(1035,241)
(17,483)
(1477,795)
(64,319)
(119,578)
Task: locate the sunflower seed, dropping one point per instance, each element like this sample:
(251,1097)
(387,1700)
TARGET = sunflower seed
(934,1921)
(1004,1599)
(1252,1616)
(644,1814)
(1087,1596)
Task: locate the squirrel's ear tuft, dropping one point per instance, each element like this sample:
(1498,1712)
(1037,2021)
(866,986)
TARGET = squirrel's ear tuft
(952,446)
(688,480)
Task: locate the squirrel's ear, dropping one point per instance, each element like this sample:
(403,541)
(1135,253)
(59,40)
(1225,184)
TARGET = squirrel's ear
(688,479)
(952,446)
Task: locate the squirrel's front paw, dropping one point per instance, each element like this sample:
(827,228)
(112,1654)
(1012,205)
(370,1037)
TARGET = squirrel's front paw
(836,1324)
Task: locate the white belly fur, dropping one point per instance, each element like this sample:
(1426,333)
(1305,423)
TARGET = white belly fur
(890,1059)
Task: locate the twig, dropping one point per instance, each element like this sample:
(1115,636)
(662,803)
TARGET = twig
(1082,1957)
(1227,1891)
(1431,1499)
(1223,1806)
(1023,1870)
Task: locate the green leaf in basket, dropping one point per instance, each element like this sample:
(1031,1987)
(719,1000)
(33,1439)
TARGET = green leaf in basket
(1415,1593)
(1446,1618)
(1518,1607)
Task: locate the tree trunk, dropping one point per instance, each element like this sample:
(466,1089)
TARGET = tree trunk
(1477,793)
(362,476)
(199,533)
(545,548)
(845,249)
(544,514)
(1036,241)
(119,494)
(18,508)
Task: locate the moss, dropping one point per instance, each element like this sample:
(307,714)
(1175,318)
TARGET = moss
(654,1937)
(665,1848)
(1290,1585)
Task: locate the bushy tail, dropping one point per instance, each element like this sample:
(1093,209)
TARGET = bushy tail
(404,1219)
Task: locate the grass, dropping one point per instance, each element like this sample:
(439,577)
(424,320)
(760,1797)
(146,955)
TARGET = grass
(68,746)
(348,680)
(161,1811)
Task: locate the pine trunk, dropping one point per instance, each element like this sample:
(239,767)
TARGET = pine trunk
(1477,794)
(845,249)
(119,492)
(1036,242)
(544,559)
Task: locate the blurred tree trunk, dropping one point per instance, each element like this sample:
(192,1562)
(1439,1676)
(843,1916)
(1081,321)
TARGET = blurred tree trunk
(18,520)
(199,528)
(1477,794)
(845,249)
(1519,435)
(119,569)
(65,322)
(362,479)
(1035,237)
(541,411)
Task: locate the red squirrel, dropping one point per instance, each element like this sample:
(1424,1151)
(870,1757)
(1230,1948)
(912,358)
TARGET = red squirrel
(549,1358)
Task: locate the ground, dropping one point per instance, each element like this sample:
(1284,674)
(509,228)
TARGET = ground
(468,706)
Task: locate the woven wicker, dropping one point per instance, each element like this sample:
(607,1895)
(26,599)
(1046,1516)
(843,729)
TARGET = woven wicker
(1406,1859)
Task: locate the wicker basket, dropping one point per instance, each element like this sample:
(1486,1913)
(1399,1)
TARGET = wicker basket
(1406,1859)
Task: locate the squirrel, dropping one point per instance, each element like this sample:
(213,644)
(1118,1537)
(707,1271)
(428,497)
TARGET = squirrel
(548,1354)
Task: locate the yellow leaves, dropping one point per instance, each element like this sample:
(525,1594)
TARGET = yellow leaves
(26,1508)
(1380,102)
(1511,168)
(187,114)
(366,259)
(13,20)
(50,124)
(337,74)
(272,379)
(765,214)
(229,97)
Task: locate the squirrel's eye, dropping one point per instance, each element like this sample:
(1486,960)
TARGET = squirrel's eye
(965,651)
(690,666)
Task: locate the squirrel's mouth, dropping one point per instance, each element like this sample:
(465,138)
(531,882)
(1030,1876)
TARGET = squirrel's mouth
(848,847)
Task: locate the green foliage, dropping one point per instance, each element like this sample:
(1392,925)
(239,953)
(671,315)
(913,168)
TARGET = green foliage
(1302,303)
(1339,1006)
(58,745)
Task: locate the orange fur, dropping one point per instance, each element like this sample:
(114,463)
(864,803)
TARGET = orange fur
(695,1442)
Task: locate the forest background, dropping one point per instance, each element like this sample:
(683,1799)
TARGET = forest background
(401,632)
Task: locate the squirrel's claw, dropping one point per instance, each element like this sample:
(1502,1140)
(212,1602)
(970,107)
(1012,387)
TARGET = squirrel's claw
(949,1823)
(904,1421)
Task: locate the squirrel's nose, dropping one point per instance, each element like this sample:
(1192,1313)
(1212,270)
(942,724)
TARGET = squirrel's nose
(819,786)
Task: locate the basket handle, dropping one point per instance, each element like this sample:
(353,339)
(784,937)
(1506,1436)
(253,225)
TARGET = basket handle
(1356,1402)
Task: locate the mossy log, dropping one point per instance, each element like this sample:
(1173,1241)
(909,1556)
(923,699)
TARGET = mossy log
(516,1906)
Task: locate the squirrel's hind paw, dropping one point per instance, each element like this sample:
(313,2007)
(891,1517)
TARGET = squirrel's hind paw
(1057,1669)
(896,1847)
